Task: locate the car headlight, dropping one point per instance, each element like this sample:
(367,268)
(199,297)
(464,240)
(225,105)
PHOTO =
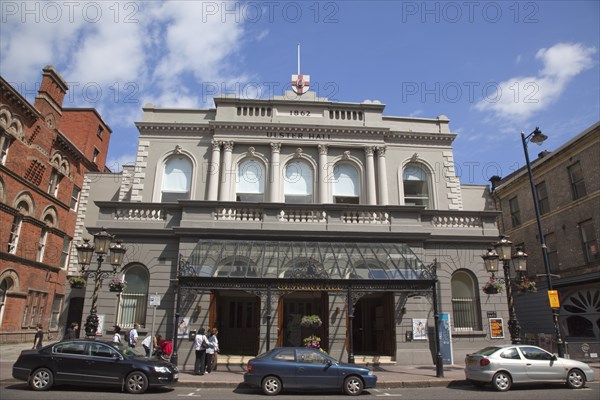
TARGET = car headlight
(370,373)
(163,370)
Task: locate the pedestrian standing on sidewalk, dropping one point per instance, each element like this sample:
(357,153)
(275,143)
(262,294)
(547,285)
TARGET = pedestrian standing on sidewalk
(133,335)
(200,345)
(212,350)
(146,344)
(39,337)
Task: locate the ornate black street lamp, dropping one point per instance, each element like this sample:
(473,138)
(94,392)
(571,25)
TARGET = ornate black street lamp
(502,251)
(538,137)
(102,245)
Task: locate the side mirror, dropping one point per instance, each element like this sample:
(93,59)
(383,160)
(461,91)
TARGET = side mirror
(554,358)
(329,362)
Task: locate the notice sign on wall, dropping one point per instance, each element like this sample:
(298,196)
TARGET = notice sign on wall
(496,328)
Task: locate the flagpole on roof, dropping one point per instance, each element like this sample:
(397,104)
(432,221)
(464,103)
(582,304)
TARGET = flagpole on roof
(298,58)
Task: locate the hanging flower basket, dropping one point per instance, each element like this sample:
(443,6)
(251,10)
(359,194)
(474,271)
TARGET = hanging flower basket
(312,342)
(77,282)
(117,284)
(492,286)
(311,322)
(526,286)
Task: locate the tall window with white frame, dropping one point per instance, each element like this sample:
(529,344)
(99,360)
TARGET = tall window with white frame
(176,179)
(465,307)
(15,234)
(42,245)
(6,285)
(250,181)
(578,189)
(64,255)
(5,141)
(75,198)
(589,241)
(56,307)
(54,183)
(346,185)
(298,182)
(133,302)
(416,185)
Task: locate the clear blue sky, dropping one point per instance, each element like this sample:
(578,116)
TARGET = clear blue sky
(493,67)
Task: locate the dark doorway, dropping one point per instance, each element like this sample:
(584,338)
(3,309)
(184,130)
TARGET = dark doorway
(296,305)
(75,312)
(373,325)
(238,316)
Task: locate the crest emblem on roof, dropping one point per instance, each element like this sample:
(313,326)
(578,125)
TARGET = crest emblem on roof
(300,83)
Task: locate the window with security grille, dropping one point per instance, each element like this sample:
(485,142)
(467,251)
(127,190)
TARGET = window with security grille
(465,311)
(133,301)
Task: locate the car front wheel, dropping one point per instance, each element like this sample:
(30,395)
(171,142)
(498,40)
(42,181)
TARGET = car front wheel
(41,379)
(271,385)
(136,382)
(353,386)
(575,379)
(502,381)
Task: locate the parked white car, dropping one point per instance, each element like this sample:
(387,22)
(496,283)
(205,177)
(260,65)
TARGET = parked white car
(504,365)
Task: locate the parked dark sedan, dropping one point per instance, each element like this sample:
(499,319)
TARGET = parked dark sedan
(305,368)
(91,362)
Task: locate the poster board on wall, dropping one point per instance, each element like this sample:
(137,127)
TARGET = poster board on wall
(419,328)
(183,327)
(496,328)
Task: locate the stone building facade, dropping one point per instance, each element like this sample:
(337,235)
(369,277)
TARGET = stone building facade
(45,150)
(567,183)
(253,214)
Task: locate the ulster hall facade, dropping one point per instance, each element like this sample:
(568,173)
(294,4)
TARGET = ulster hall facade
(255,213)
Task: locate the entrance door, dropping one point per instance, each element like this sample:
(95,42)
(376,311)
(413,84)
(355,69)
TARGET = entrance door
(238,317)
(373,325)
(296,305)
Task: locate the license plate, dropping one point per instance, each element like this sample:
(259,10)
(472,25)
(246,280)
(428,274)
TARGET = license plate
(472,362)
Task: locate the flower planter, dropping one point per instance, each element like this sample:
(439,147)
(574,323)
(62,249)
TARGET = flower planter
(77,286)
(491,290)
(115,289)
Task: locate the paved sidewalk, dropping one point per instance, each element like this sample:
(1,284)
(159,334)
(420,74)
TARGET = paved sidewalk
(388,376)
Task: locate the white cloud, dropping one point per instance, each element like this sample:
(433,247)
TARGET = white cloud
(520,97)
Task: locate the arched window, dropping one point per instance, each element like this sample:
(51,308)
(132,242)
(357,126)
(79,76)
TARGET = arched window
(416,184)
(250,183)
(133,304)
(465,307)
(5,286)
(346,185)
(298,182)
(176,179)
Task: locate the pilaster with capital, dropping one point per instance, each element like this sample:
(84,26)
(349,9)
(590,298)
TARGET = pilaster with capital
(226,172)
(275,175)
(213,170)
(382,173)
(322,173)
(371,190)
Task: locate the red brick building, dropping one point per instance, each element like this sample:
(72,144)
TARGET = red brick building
(45,150)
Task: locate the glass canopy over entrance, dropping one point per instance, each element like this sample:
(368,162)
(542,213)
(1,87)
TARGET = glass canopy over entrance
(304,260)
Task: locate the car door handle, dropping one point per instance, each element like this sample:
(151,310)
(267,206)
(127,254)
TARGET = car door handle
(528,364)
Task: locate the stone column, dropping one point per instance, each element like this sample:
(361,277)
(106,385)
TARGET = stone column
(214,171)
(323,183)
(226,172)
(275,173)
(382,172)
(371,191)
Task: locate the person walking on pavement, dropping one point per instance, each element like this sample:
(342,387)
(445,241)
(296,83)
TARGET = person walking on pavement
(211,351)
(133,335)
(39,337)
(200,345)
(117,336)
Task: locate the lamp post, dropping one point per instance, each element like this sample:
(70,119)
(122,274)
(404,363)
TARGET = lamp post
(102,245)
(502,251)
(538,137)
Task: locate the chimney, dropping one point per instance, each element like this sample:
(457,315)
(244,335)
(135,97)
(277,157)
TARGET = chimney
(543,154)
(495,181)
(51,93)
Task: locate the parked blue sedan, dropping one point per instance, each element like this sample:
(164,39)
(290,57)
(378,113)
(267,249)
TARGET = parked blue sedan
(306,368)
